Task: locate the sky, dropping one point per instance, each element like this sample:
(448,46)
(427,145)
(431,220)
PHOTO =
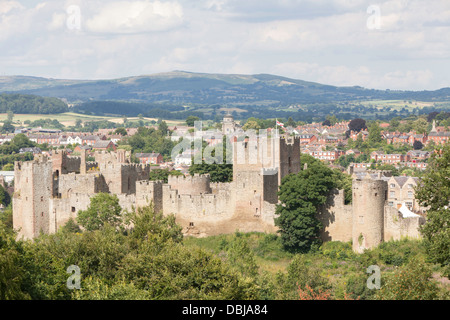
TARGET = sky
(379,44)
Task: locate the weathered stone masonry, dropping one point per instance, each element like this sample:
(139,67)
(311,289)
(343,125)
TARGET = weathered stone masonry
(50,191)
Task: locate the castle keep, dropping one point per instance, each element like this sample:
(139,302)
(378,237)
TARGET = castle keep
(50,191)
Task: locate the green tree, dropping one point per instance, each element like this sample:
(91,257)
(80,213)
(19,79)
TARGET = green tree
(217,172)
(6,217)
(394,124)
(434,192)
(417,145)
(241,257)
(420,125)
(343,182)
(163,174)
(291,123)
(103,209)
(332,120)
(7,127)
(5,198)
(8,167)
(357,125)
(251,124)
(21,141)
(410,282)
(191,120)
(78,123)
(12,273)
(121,130)
(10,116)
(148,225)
(374,135)
(163,128)
(218,166)
(300,274)
(71,226)
(300,196)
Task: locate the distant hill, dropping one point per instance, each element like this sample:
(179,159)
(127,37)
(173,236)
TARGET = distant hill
(184,88)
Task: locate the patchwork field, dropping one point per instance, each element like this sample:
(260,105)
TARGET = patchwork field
(69,118)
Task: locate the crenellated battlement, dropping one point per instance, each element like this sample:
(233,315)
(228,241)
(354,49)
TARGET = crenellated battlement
(193,185)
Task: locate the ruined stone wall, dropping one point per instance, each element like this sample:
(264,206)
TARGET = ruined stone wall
(396,227)
(62,209)
(214,206)
(203,212)
(149,192)
(104,158)
(270,186)
(122,178)
(130,174)
(268,215)
(91,166)
(127,201)
(217,187)
(81,183)
(63,164)
(255,155)
(249,192)
(336,217)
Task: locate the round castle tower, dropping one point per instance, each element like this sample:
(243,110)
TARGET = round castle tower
(196,185)
(369,198)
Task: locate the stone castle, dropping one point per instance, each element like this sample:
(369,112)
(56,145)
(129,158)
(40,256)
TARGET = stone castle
(51,190)
(378,212)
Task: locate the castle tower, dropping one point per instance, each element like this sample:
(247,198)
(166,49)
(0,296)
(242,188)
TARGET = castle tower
(259,164)
(59,160)
(228,125)
(195,185)
(289,157)
(83,169)
(32,195)
(369,199)
(149,192)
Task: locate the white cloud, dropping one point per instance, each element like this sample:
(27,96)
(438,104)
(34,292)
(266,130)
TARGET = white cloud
(318,40)
(368,77)
(7,6)
(135,17)
(58,21)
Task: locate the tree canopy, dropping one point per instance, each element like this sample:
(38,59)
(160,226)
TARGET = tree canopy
(300,196)
(357,125)
(434,192)
(103,209)
(27,104)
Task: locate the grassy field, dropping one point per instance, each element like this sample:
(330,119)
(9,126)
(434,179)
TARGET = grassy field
(69,118)
(269,254)
(398,104)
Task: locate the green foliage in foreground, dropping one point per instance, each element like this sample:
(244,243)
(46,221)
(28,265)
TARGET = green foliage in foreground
(150,259)
(434,192)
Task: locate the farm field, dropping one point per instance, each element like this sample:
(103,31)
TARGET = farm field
(69,118)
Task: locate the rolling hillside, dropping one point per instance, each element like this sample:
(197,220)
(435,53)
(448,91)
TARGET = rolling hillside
(178,88)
